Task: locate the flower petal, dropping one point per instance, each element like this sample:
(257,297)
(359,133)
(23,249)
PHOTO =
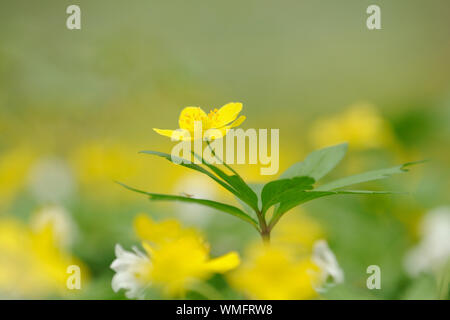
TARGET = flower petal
(325,259)
(237,122)
(162,231)
(224,263)
(129,267)
(227,113)
(189,115)
(149,230)
(217,133)
(175,135)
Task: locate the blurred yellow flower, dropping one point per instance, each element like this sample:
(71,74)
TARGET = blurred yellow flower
(14,167)
(99,162)
(220,120)
(176,263)
(282,273)
(34,264)
(275,272)
(174,259)
(160,232)
(360,125)
(297,231)
(296,265)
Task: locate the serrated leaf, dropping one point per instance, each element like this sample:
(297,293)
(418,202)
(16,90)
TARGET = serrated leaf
(318,163)
(275,191)
(295,198)
(208,203)
(365,177)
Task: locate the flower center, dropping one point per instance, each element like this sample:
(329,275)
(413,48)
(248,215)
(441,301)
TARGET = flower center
(213,117)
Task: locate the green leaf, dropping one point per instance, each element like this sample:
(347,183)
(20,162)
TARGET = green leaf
(294,198)
(257,188)
(192,166)
(244,192)
(318,163)
(208,203)
(233,183)
(365,177)
(275,191)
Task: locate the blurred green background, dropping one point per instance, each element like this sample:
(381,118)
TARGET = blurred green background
(77,105)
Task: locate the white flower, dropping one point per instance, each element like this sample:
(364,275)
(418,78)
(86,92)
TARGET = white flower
(129,267)
(433,252)
(325,259)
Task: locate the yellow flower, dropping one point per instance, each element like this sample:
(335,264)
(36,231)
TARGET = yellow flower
(174,259)
(360,125)
(160,232)
(97,163)
(33,263)
(296,265)
(297,231)
(274,272)
(14,167)
(213,125)
(100,162)
(176,264)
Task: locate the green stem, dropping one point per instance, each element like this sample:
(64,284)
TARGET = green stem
(265,229)
(266,237)
(220,160)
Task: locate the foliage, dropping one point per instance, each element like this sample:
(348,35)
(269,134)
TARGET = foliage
(295,186)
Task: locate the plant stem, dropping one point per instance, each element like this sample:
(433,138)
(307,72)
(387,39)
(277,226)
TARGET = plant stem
(265,230)
(265,235)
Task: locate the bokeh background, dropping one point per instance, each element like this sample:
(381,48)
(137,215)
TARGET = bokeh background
(77,105)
